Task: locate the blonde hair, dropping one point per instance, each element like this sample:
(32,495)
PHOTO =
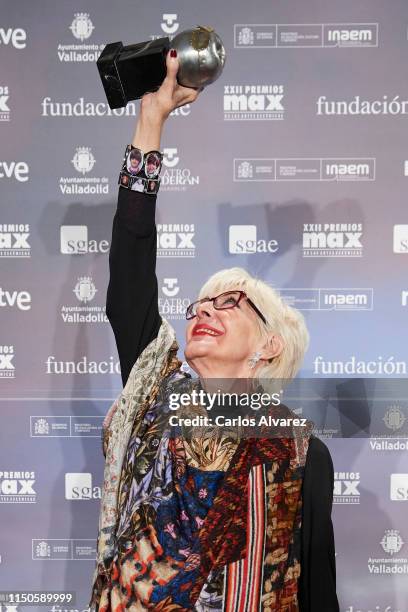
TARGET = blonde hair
(281,319)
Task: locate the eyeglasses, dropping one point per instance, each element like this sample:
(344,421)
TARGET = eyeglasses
(226,300)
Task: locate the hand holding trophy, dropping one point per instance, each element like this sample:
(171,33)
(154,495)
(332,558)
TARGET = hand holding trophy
(127,73)
(156,106)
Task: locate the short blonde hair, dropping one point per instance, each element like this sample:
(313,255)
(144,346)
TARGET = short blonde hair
(281,318)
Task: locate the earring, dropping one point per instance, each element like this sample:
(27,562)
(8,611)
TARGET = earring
(254,359)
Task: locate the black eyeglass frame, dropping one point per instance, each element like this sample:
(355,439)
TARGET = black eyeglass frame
(242,294)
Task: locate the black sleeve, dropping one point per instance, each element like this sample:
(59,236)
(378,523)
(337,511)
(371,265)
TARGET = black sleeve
(317,582)
(132,296)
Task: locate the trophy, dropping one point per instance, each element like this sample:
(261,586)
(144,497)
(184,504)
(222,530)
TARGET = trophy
(129,72)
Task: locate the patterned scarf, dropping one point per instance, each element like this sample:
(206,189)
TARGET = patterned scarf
(235,542)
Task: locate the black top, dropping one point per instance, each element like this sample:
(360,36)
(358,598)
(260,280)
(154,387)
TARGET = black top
(132,310)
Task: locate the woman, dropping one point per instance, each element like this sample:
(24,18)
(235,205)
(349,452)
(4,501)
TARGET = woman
(240,525)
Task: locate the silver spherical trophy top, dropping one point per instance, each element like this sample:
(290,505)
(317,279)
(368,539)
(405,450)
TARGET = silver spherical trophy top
(201,55)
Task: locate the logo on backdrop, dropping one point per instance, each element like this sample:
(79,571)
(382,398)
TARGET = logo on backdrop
(85,289)
(14,240)
(17,488)
(243,240)
(357,106)
(253,102)
(346,488)
(399,487)
(172,305)
(169,25)
(19,299)
(42,549)
(4,103)
(332,240)
(394,419)
(83,162)
(74,241)
(66,426)
(353,365)
(321,298)
(84,108)
(15,37)
(174,177)
(79,486)
(170,157)
(304,169)
(82,366)
(392,544)
(81,28)
(7,369)
(176,240)
(64,549)
(170,287)
(392,541)
(303,36)
(41,427)
(85,312)
(14,170)
(400,239)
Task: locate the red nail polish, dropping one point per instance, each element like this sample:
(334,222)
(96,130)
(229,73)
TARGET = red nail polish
(173,53)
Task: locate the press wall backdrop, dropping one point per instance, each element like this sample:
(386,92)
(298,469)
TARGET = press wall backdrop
(293,165)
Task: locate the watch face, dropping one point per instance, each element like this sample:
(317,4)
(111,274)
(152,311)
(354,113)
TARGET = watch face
(152,164)
(134,161)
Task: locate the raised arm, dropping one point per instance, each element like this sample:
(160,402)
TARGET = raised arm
(132,295)
(131,301)
(317,582)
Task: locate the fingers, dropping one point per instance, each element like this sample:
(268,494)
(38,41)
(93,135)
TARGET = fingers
(185,95)
(178,94)
(172,66)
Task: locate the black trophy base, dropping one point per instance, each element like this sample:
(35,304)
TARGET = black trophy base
(127,73)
